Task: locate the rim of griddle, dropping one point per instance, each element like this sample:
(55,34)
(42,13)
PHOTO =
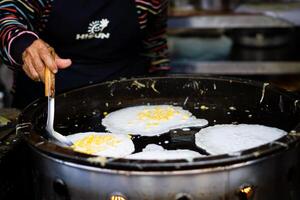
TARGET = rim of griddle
(41,145)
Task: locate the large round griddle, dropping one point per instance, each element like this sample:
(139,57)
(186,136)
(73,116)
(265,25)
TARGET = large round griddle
(219,100)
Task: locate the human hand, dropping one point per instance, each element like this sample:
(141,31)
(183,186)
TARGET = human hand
(40,55)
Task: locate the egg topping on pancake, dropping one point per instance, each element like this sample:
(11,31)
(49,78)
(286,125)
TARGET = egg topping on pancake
(150,120)
(102,144)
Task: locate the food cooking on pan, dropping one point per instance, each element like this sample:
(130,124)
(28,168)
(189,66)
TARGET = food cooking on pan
(150,120)
(229,138)
(155,120)
(102,144)
(156,152)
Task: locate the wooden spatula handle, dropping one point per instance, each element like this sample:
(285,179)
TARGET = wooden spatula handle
(50,79)
(49,83)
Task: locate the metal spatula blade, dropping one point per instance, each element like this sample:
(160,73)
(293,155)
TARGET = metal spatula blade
(50,93)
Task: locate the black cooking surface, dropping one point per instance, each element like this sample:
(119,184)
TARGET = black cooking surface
(184,138)
(220,101)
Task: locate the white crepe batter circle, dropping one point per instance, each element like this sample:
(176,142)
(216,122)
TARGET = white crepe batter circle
(121,146)
(150,120)
(229,138)
(156,152)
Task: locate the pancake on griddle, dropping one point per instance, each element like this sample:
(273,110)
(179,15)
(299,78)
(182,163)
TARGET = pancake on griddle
(229,138)
(150,120)
(102,144)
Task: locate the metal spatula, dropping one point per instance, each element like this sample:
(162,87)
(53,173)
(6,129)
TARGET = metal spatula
(50,93)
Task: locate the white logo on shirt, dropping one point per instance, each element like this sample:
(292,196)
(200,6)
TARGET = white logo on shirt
(95,30)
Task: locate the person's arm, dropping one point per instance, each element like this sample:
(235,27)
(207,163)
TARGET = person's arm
(18,21)
(20,44)
(155,42)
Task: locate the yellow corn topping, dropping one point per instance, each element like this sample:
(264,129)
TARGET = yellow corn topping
(92,144)
(158,114)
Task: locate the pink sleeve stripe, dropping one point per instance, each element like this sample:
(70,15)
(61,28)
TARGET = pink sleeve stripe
(149,4)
